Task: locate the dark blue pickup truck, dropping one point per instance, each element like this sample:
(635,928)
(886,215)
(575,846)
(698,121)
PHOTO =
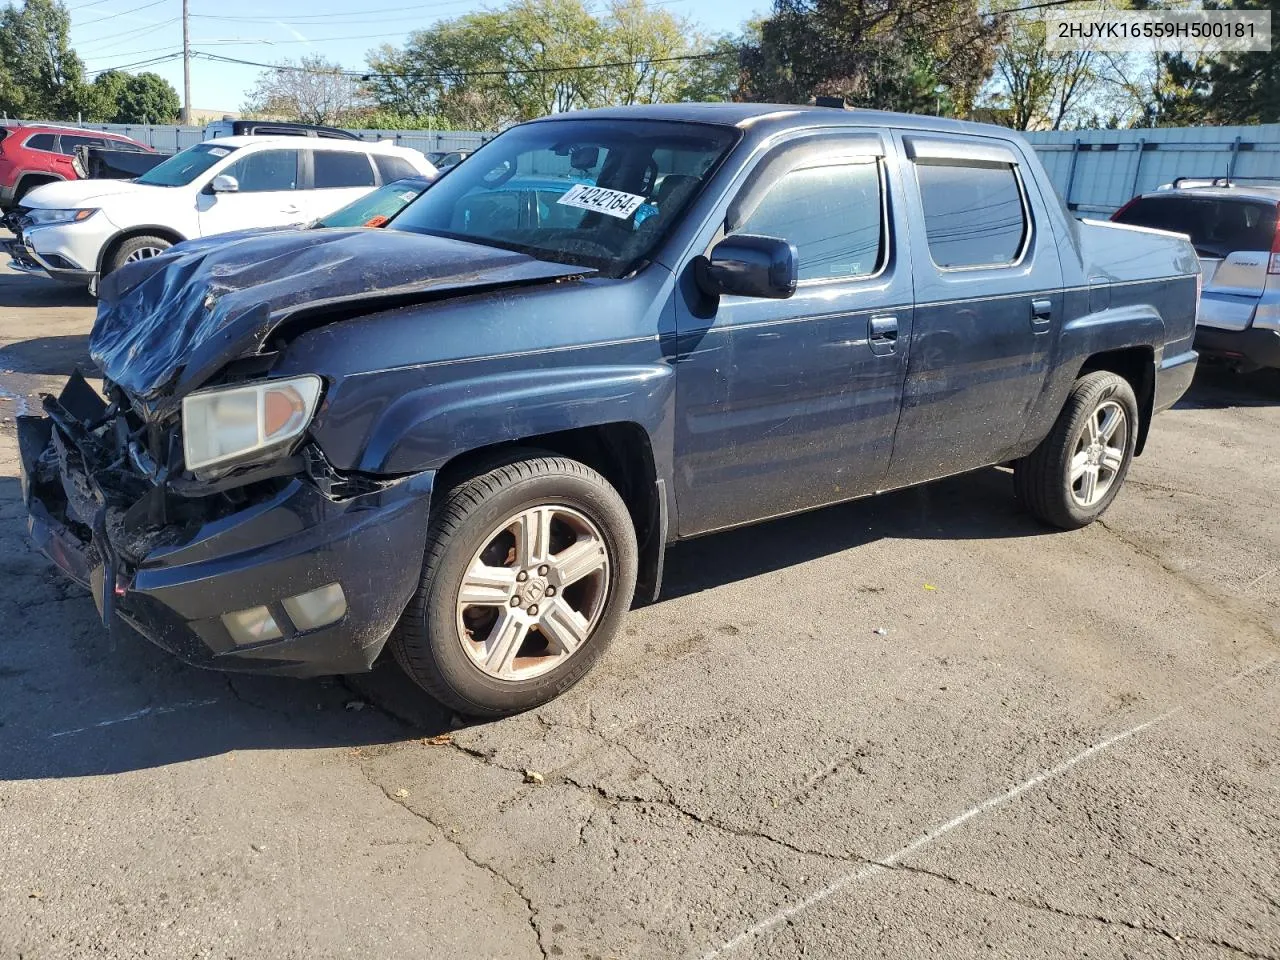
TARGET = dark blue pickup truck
(470,436)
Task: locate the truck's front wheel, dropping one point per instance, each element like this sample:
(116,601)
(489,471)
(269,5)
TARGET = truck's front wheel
(529,569)
(1072,477)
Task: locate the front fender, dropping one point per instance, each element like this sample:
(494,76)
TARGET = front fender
(428,426)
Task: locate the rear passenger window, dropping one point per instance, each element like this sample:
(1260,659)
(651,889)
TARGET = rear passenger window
(268,171)
(67,144)
(393,168)
(339,169)
(831,211)
(973,214)
(40,141)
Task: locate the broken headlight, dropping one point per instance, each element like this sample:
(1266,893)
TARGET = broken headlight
(230,425)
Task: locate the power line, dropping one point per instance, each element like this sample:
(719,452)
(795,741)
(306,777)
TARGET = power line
(154,61)
(127,33)
(363,15)
(116,16)
(125,53)
(308,17)
(463,75)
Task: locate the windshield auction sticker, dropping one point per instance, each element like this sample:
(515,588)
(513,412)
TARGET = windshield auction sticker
(613,203)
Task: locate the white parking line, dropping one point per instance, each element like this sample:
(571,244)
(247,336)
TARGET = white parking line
(888,862)
(136,715)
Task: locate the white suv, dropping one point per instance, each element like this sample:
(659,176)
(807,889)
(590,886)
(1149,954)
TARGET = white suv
(83,229)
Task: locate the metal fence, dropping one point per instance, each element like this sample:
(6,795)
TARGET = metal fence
(1098,171)
(169,138)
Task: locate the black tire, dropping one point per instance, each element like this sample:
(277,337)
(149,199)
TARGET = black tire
(1042,479)
(426,641)
(120,255)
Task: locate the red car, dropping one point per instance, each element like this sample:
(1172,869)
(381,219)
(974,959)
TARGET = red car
(34,154)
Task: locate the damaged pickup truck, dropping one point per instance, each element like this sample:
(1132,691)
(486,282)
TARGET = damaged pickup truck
(470,436)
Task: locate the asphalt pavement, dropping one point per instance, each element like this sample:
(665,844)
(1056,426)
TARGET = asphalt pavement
(919,725)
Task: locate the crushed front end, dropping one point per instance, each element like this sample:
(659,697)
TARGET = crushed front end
(285,567)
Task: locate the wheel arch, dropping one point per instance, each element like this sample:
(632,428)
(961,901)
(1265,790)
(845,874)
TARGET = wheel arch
(620,451)
(40,177)
(1137,365)
(152,230)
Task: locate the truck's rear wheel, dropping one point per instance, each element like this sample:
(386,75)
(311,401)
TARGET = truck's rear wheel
(529,569)
(1072,477)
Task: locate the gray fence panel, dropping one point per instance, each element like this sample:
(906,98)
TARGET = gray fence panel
(1098,171)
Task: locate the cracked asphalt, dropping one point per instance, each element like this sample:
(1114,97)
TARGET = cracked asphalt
(1061,745)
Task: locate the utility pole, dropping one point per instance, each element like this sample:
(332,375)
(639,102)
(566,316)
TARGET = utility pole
(186,63)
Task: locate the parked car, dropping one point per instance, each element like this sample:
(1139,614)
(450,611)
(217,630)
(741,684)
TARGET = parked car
(471,438)
(111,164)
(444,159)
(1235,230)
(34,154)
(231,127)
(80,231)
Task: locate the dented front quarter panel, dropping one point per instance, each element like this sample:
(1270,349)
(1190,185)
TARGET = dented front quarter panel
(411,388)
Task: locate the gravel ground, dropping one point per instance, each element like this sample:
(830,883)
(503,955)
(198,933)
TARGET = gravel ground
(919,725)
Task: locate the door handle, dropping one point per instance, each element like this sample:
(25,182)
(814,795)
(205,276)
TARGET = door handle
(289,209)
(1041,312)
(884,335)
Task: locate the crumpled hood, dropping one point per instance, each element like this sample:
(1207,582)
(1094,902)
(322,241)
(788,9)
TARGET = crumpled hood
(168,324)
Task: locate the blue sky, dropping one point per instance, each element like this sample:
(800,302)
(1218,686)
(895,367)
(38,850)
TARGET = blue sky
(118,33)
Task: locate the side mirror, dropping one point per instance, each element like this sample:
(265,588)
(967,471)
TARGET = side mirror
(225,183)
(747,266)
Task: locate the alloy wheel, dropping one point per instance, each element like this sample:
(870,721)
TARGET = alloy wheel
(534,592)
(1099,453)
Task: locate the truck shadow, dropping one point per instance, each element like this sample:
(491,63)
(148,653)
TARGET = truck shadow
(1217,386)
(20,290)
(49,356)
(977,505)
(79,700)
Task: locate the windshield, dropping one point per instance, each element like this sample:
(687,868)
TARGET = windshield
(375,209)
(182,168)
(597,193)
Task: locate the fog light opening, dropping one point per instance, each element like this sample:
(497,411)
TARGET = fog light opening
(317,608)
(251,626)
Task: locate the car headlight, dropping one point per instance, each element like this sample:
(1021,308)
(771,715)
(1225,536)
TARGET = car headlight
(39,216)
(230,425)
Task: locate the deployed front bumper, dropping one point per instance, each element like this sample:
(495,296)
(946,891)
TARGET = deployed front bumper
(278,544)
(62,251)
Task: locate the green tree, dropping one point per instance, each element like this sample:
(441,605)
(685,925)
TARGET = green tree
(119,97)
(891,54)
(535,57)
(40,75)
(149,98)
(102,102)
(1245,87)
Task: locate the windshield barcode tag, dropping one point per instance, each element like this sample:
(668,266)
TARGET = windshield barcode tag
(614,203)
